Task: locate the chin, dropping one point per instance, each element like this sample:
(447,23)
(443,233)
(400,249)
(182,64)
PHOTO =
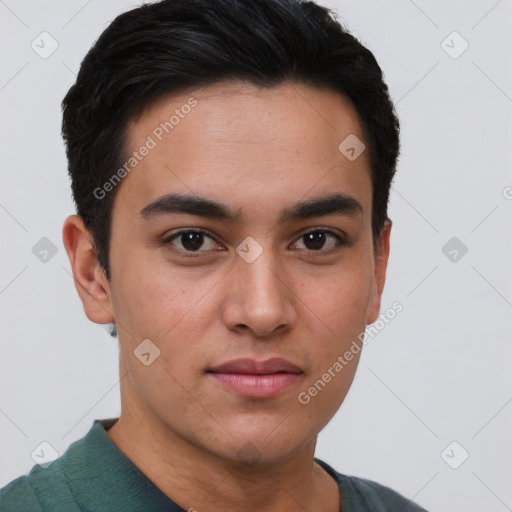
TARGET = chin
(262,447)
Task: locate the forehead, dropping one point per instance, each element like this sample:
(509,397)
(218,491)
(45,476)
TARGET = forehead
(242,144)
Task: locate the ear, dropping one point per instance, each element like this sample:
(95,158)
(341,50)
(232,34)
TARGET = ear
(90,280)
(381,263)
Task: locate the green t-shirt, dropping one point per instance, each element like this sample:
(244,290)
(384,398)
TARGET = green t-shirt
(94,475)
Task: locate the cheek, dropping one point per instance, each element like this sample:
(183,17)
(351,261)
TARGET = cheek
(152,302)
(171,306)
(341,305)
(340,299)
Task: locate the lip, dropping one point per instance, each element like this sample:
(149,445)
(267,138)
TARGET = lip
(257,379)
(251,366)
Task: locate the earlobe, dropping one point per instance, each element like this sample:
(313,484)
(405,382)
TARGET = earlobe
(90,281)
(381,262)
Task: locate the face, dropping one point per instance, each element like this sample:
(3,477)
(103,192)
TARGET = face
(241,247)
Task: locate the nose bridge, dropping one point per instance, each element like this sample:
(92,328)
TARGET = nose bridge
(262,283)
(260,298)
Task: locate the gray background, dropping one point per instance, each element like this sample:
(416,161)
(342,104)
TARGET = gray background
(438,373)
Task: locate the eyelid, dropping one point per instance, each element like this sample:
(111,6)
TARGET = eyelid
(166,239)
(324,229)
(340,237)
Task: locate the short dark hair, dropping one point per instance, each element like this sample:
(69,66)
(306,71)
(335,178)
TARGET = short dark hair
(172,45)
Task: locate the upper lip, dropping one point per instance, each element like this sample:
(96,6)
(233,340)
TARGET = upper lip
(251,366)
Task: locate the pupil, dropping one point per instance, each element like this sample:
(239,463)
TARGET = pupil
(317,238)
(192,241)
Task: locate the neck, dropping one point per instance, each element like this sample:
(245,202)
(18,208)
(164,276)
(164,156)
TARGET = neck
(196,479)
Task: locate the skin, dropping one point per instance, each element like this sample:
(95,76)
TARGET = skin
(257,150)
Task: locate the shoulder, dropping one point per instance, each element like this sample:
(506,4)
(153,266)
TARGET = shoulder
(360,494)
(379,496)
(51,487)
(41,490)
(19,496)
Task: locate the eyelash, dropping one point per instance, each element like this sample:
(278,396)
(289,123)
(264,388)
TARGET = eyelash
(168,241)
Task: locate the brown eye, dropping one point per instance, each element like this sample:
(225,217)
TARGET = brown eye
(318,239)
(191,241)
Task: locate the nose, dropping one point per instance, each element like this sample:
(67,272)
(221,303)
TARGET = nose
(259,297)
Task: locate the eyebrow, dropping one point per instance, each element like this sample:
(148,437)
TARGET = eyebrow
(333,204)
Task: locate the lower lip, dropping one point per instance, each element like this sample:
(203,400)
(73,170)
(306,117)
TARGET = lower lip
(257,386)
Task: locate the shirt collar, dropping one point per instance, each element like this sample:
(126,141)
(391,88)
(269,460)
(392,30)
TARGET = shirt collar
(102,477)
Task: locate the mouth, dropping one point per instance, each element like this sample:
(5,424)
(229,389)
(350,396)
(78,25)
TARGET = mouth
(257,379)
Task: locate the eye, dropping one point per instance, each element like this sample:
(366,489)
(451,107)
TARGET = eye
(317,239)
(191,240)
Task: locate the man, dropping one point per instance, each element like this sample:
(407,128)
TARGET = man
(231,164)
